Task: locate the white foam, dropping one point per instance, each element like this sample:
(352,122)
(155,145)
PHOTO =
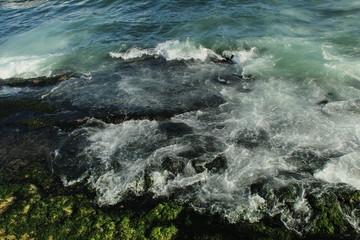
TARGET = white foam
(301,206)
(159,180)
(21,66)
(341,107)
(345,169)
(354,219)
(254,209)
(176,50)
(242,56)
(68,183)
(15,4)
(132,53)
(330,57)
(284,108)
(170,50)
(114,144)
(341,66)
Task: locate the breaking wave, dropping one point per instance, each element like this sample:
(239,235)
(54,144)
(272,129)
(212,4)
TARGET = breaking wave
(186,50)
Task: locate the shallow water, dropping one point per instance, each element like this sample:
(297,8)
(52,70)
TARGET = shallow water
(284,111)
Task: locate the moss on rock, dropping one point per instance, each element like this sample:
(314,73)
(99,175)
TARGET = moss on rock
(163,212)
(163,233)
(329,220)
(34,205)
(35,123)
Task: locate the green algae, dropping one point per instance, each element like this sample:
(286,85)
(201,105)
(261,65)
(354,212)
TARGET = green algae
(163,233)
(35,123)
(34,205)
(329,220)
(163,212)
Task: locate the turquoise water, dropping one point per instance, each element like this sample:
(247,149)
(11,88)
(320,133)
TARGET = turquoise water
(283,110)
(48,37)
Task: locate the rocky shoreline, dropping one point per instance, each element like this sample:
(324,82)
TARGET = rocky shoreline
(35,205)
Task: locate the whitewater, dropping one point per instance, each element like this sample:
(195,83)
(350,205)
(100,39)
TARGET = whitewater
(226,102)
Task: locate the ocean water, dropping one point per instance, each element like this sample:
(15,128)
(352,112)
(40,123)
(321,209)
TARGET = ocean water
(228,101)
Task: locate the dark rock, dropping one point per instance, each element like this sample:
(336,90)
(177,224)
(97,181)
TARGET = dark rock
(173,165)
(36,82)
(18,146)
(72,161)
(306,160)
(323,102)
(194,152)
(228,78)
(13,106)
(217,165)
(202,149)
(173,129)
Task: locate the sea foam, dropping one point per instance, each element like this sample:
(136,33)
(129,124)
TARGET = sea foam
(22,66)
(184,50)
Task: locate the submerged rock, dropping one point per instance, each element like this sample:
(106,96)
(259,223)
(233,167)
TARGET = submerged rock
(252,138)
(216,165)
(306,160)
(173,129)
(173,165)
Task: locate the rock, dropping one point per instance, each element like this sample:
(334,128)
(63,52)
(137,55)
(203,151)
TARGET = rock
(217,165)
(18,146)
(36,82)
(329,219)
(252,138)
(173,165)
(323,102)
(173,129)
(306,160)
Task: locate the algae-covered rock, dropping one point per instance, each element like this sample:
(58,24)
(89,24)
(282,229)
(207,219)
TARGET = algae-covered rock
(35,123)
(5,202)
(35,173)
(333,212)
(163,233)
(167,211)
(34,205)
(330,218)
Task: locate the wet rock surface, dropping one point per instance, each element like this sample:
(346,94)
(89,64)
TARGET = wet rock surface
(19,147)
(31,196)
(252,138)
(35,82)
